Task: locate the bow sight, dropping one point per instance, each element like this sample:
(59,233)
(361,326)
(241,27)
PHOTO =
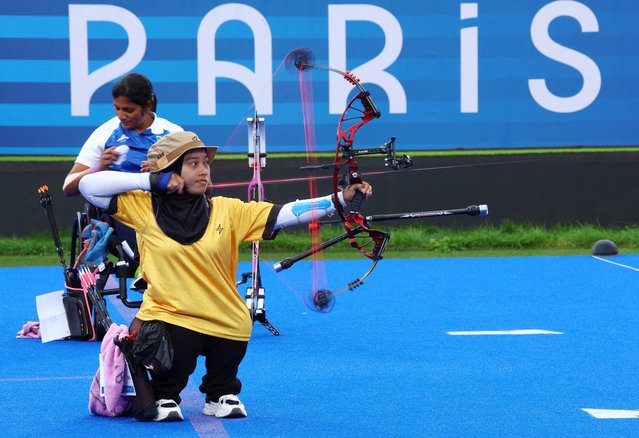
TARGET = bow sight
(348,154)
(388,149)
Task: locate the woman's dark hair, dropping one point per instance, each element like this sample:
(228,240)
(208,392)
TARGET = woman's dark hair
(137,88)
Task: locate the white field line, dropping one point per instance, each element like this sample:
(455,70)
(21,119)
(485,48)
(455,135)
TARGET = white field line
(615,263)
(504,332)
(607,414)
(33,379)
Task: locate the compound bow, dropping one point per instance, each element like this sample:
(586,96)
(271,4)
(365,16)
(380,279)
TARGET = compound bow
(368,241)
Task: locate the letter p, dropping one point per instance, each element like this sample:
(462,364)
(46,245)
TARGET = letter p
(83,83)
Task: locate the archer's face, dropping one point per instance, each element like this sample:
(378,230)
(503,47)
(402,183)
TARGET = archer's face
(196,172)
(131,115)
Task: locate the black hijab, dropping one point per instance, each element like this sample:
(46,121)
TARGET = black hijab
(182,217)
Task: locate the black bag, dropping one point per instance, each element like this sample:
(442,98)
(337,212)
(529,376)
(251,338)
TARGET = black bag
(153,348)
(77,316)
(143,406)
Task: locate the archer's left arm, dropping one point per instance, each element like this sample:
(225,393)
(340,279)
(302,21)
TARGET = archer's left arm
(305,210)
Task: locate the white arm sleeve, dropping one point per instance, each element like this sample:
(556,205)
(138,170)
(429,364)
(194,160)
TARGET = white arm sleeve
(98,188)
(302,211)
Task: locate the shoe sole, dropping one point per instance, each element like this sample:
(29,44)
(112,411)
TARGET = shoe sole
(235,413)
(173,416)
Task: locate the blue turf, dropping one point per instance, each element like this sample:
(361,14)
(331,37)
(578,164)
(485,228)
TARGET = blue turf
(381,364)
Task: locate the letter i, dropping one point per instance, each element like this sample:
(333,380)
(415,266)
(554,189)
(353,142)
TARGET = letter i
(469,60)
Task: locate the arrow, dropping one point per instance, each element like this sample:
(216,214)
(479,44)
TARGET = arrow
(606,414)
(504,332)
(223,185)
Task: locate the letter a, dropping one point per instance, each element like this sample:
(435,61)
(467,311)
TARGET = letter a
(258,83)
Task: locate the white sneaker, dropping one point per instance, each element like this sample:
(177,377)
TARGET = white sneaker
(229,406)
(168,410)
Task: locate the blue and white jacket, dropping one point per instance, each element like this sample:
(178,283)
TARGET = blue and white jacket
(111,133)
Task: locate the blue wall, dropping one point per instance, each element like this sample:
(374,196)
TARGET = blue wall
(586,51)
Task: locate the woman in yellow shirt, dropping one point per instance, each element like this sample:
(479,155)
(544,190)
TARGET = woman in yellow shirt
(188,247)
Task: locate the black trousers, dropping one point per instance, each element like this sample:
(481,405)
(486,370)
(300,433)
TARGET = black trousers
(223,358)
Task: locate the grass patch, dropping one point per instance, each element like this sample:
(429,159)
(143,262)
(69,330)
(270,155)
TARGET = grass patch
(413,241)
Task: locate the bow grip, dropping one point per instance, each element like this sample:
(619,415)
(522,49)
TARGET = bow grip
(356,202)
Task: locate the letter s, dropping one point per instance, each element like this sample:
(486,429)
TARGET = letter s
(586,66)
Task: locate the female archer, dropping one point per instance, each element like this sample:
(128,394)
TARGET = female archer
(189,252)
